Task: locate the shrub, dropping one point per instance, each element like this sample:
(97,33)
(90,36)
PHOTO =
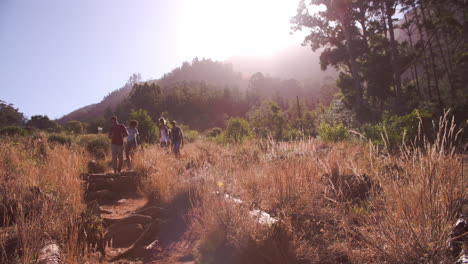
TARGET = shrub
(405,128)
(191,135)
(43,123)
(398,129)
(13,131)
(59,139)
(75,127)
(269,120)
(96,145)
(146,126)
(237,130)
(293,134)
(373,133)
(334,133)
(215,132)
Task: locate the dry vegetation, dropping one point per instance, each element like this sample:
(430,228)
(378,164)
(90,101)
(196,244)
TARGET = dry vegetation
(337,202)
(343,202)
(40,196)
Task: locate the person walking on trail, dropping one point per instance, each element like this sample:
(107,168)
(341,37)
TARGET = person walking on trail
(163,133)
(177,137)
(131,142)
(117,133)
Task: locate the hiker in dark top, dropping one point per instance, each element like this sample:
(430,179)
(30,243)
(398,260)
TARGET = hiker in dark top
(117,133)
(177,137)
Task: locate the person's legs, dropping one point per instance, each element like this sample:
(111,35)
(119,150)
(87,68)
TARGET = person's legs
(128,149)
(176,147)
(119,157)
(114,157)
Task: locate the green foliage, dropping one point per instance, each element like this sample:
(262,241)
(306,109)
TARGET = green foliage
(293,134)
(215,132)
(97,145)
(373,133)
(388,67)
(269,121)
(13,131)
(337,112)
(190,136)
(308,123)
(75,127)
(146,126)
(145,96)
(334,133)
(10,116)
(92,127)
(43,123)
(237,130)
(395,130)
(61,139)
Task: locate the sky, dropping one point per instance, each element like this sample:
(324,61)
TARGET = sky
(57,56)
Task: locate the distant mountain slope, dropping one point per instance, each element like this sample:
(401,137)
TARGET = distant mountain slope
(215,73)
(296,62)
(212,72)
(95,111)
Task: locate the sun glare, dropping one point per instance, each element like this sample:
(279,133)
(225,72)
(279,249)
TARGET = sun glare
(221,28)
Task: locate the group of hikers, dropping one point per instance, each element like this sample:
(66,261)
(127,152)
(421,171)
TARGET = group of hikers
(167,137)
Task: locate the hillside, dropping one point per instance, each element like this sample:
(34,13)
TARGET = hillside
(293,63)
(92,111)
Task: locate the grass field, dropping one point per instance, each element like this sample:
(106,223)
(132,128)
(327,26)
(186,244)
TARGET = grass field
(347,202)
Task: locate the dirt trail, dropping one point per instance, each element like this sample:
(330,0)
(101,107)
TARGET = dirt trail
(171,242)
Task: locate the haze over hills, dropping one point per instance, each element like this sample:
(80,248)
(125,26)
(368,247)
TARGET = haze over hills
(295,62)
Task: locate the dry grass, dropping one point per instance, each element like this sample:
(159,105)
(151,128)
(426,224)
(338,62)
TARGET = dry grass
(40,195)
(338,202)
(343,202)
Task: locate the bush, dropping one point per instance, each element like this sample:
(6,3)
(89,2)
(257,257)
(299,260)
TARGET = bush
(75,127)
(146,126)
(191,135)
(294,134)
(13,131)
(269,121)
(373,133)
(403,129)
(398,129)
(237,130)
(96,145)
(59,139)
(215,132)
(335,133)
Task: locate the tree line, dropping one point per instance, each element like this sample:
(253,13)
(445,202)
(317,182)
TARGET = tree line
(393,55)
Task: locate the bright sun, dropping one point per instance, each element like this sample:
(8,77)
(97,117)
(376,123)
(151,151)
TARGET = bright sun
(222,28)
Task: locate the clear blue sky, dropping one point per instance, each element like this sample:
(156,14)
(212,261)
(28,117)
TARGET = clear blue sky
(57,55)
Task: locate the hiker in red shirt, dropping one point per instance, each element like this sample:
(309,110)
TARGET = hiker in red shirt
(117,133)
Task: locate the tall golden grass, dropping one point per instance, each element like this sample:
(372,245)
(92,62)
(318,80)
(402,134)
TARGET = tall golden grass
(404,215)
(347,202)
(40,194)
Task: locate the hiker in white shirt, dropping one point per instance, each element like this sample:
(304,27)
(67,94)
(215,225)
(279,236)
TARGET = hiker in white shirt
(131,142)
(164,133)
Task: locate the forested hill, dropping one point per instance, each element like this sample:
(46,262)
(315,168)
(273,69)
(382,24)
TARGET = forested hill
(215,73)
(212,75)
(110,101)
